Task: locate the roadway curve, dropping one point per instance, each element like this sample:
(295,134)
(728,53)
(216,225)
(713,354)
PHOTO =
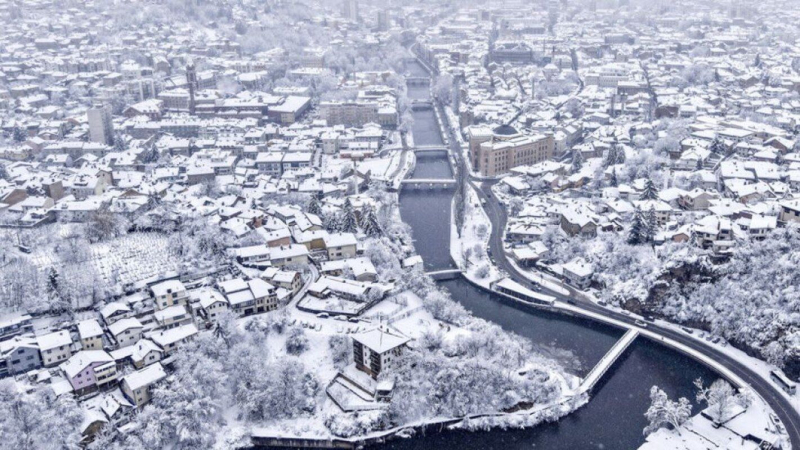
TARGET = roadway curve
(766,389)
(497,215)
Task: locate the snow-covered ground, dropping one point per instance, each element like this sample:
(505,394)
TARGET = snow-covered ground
(469,248)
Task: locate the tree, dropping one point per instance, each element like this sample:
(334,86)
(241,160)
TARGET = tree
(650,190)
(719,397)
(19,135)
(332,222)
(349,222)
(314,206)
(611,156)
(577,161)
(613,181)
(650,226)
(37,419)
(296,342)
(637,228)
(717,147)
(663,411)
(369,222)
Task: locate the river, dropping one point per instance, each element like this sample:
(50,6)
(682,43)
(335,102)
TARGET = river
(614,417)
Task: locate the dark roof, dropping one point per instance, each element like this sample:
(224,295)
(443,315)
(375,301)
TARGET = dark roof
(505,130)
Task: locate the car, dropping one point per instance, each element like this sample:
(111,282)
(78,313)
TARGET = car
(571,301)
(641,323)
(687,330)
(602,303)
(649,318)
(626,312)
(24,249)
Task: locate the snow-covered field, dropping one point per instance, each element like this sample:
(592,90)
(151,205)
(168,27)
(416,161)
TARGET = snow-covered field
(126,260)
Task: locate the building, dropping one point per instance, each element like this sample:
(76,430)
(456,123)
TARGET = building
(351,114)
(126,331)
(340,245)
(19,355)
(505,148)
(169,293)
(137,387)
(350,10)
(376,350)
(90,370)
(100,128)
(55,347)
(91,335)
(14,324)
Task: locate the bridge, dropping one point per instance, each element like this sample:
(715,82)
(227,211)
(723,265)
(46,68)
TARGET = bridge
(608,360)
(430,148)
(421,105)
(447,274)
(418,81)
(423,183)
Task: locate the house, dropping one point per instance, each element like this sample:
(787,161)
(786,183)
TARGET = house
(169,340)
(168,293)
(137,387)
(340,245)
(361,268)
(115,311)
(91,335)
(126,331)
(55,348)
(576,223)
(90,370)
(15,324)
(211,302)
(578,273)
(790,211)
(19,355)
(350,290)
(375,351)
(249,297)
(291,280)
(290,254)
(172,316)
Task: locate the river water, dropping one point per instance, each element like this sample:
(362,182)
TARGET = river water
(614,417)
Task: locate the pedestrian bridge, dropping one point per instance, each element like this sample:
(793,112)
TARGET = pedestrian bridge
(597,373)
(430,148)
(428,183)
(447,274)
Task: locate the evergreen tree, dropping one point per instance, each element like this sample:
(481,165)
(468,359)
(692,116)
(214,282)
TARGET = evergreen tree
(19,135)
(369,222)
(314,206)
(611,156)
(332,222)
(650,191)
(577,161)
(614,182)
(349,221)
(637,227)
(620,155)
(650,226)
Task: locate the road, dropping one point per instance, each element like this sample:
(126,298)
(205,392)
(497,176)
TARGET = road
(774,397)
(766,389)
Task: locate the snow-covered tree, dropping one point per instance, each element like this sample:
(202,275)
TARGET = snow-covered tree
(637,230)
(577,161)
(37,419)
(720,398)
(349,220)
(370,223)
(663,411)
(296,342)
(650,190)
(313,206)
